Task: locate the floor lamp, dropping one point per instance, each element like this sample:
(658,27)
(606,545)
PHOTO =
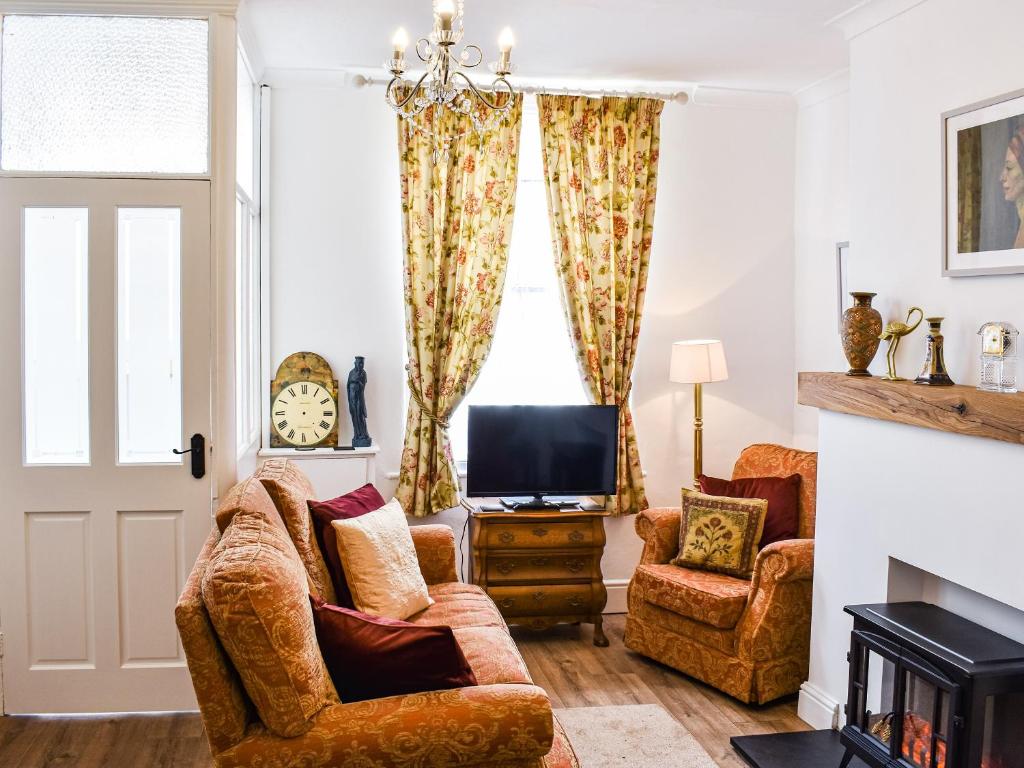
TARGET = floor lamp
(698,362)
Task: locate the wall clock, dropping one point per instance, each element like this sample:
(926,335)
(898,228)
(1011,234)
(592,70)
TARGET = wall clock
(303,403)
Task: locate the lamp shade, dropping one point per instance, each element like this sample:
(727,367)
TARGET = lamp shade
(698,362)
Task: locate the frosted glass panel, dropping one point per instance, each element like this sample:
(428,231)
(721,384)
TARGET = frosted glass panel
(148,335)
(245,122)
(56,327)
(104,94)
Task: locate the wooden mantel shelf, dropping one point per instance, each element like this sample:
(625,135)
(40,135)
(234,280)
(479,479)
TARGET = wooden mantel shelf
(959,409)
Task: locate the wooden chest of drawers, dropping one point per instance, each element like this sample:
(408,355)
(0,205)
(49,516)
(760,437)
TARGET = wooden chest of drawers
(542,567)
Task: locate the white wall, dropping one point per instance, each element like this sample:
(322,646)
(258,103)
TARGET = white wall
(722,266)
(891,491)
(822,220)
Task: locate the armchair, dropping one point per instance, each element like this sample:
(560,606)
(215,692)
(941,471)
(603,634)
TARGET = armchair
(748,638)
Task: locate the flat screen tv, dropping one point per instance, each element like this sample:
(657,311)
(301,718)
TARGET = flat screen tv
(542,450)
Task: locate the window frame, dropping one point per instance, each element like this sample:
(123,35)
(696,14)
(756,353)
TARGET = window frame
(248,262)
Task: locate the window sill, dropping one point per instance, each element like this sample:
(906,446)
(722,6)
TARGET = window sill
(320,453)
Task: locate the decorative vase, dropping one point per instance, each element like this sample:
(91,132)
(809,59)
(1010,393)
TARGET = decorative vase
(934,371)
(862,325)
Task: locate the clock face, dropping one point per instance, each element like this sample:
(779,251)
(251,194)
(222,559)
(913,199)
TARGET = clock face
(304,413)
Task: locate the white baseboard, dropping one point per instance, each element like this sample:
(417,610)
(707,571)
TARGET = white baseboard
(616,595)
(817,708)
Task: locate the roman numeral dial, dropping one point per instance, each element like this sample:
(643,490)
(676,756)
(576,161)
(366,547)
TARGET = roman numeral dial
(304,414)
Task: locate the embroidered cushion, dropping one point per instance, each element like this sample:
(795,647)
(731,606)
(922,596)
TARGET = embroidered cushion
(380,563)
(720,534)
(255,591)
(371,657)
(291,490)
(783,497)
(354,504)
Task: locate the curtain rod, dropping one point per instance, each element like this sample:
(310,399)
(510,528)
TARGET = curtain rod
(680,97)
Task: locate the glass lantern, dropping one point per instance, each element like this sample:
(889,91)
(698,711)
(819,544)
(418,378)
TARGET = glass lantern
(998,357)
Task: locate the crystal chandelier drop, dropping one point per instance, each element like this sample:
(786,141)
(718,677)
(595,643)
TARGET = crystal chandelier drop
(445,84)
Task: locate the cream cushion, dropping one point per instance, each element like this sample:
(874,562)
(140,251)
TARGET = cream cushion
(380,563)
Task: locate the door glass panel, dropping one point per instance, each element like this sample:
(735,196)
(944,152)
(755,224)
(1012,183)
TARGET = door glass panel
(56,328)
(104,94)
(922,745)
(149,335)
(880,699)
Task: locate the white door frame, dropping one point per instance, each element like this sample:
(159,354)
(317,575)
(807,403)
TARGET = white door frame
(223,25)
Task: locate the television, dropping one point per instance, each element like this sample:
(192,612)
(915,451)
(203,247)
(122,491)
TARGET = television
(535,451)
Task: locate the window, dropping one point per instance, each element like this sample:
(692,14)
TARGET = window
(56,327)
(247,261)
(149,397)
(104,94)
(532,361)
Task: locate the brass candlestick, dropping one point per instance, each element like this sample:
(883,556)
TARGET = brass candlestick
(934,371)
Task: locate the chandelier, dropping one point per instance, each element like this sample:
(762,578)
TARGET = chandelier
(445,84)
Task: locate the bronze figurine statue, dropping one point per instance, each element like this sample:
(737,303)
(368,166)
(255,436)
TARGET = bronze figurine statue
(893,333)
(357,404)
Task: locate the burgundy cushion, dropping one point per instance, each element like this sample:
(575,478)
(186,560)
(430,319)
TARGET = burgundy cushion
(354,504)
(370,657)
(783,496)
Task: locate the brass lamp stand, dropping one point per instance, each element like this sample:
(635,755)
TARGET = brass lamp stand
(698,362)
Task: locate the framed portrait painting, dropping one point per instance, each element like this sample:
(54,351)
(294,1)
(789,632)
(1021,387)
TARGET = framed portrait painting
(983,158)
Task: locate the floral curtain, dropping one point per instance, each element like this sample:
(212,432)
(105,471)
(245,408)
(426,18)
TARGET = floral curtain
(457,209)
(601,167)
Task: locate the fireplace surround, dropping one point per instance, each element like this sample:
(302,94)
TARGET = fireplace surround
(930,689)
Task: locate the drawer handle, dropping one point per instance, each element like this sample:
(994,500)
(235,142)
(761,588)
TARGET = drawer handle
(576,537)
(506,537)
(540,562)
(540,532)
(538,596)
(505,567)
(576,601)
(507,603)
(575,566)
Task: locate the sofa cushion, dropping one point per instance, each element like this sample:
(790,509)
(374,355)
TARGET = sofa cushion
(711,598)
(720,534)
(349,505)
(251,496)
(493,655)
(255,591)
(381,567)
(459,605)
(782,494)
(370,657)
(291,490)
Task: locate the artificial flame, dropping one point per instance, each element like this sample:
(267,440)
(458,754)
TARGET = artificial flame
(917,745)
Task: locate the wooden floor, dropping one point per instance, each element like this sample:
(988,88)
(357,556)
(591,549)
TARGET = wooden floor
(562,661)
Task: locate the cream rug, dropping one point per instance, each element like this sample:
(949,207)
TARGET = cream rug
(633,736)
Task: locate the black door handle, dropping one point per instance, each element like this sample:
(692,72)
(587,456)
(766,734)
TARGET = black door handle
(198,451)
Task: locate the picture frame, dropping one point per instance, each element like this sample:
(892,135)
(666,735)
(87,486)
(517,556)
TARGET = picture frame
(843,299)
(983,187)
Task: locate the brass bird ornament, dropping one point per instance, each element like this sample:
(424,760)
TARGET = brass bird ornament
(893,332)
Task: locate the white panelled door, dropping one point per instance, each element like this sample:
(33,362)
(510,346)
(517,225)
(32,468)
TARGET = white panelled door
(106,349)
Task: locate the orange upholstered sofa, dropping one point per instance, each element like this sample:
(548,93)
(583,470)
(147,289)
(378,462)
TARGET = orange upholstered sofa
(505,721)
(748,638)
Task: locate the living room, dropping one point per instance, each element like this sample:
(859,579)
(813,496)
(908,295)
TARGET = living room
(429,471)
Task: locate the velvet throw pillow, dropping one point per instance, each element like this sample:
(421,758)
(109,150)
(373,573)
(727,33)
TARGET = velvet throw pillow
(370,657)
(354,504)
(783,497)
(720,534)
(380,562)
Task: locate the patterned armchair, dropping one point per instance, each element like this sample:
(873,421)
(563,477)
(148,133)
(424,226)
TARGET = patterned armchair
(749,639)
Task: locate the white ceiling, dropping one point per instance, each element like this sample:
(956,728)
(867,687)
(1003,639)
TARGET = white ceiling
(778,45)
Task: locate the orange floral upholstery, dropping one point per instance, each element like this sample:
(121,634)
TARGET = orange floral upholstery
(254,589)
(710,598)
(291,491)
(748,639)
(435,549)
(505,722)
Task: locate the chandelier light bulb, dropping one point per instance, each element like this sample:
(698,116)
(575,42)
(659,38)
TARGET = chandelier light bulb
(506,40)
(400,41)
(445,12)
